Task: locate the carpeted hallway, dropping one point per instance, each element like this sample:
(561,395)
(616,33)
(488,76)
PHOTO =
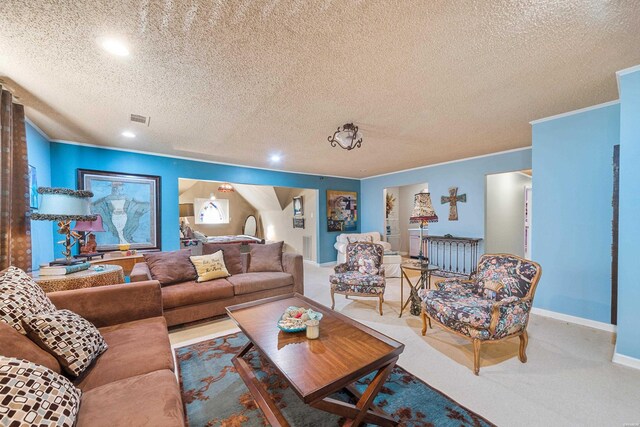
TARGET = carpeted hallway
(569,378)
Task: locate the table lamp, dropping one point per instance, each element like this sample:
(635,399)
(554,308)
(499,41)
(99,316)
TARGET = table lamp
(88,245)
(422,214)
(64,205)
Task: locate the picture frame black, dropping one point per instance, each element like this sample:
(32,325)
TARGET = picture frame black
(131,208)
(298,206)
(298,223)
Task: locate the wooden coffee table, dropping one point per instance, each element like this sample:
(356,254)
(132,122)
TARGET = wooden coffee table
(315,369)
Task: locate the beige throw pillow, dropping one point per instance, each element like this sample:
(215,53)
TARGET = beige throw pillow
(210,267)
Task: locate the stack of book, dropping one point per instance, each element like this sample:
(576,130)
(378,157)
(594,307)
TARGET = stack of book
(61,270)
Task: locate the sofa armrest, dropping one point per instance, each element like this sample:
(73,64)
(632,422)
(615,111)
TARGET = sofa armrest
(509,316)
(113,304)
(140,272)
(292,264)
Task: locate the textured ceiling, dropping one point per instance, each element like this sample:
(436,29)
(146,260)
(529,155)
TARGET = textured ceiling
(236,81)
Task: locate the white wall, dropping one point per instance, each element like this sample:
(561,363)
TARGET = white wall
(278,224)
(504,220)
(405,205)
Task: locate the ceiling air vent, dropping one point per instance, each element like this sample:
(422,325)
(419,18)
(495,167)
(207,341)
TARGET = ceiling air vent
(137,118)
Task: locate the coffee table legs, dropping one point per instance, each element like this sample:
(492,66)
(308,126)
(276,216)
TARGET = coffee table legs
(362,411)
(260,395)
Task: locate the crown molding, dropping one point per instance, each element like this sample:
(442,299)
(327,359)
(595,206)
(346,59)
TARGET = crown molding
(497,153)
(35,126)
(193,159)
(571,113)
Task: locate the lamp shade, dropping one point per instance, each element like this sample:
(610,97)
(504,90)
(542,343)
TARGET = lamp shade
(423,209)
(89,226)
(226,188)
(63,204)
(186,209)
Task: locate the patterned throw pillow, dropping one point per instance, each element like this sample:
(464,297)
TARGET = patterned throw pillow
(210,266)
(74,341)
(32,395)
(20,296)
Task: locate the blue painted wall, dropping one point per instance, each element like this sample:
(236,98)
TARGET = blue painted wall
(628,342)
(67,158)
(468,176)
(572,212)
(39,155)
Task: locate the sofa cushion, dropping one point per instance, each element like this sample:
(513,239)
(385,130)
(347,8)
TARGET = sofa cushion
(253,282)
(449,308)
(73,340)
(151,399)
(135,348)
(265,257)
(210,266)
(32,395)
(188,293)
(232,255)
(171,267)
(357,282)
(20,296)
(14,344)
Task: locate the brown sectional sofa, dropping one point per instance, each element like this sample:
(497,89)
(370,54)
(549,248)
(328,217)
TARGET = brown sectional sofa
(133,381)
(190,301)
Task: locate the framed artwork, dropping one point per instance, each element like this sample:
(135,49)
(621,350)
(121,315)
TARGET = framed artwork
(129,205)
(298,222)
(342,210)
(298,206)
(33,188)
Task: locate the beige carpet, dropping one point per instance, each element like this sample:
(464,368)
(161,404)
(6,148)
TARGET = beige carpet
(569,379)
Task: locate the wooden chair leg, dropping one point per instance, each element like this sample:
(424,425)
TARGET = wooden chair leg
(476,356)
(424,322)
(524,340)
(381,298)
(346,297)
(333,300)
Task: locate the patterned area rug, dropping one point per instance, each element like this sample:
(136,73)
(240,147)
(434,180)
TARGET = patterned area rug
(214,394)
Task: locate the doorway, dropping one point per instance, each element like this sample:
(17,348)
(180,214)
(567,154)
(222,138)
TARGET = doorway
(398,207)
(508,213)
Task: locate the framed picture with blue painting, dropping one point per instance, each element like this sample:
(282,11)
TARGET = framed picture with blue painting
(342,210)
(129,205)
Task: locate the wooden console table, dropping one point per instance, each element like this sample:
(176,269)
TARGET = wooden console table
(111,275)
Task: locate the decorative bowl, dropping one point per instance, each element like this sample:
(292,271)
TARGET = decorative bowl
(294,318)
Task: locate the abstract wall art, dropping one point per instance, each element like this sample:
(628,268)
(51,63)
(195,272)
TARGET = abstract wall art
(342,210)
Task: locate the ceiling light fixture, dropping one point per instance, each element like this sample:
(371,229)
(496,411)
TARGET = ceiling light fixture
(226,188)
(114,47)
(275,158)
(128,134)
(347,137)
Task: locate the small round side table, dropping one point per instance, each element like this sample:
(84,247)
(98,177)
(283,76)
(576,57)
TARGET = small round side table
(423,281)
(110,275)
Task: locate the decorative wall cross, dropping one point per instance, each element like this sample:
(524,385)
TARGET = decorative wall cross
(453,200)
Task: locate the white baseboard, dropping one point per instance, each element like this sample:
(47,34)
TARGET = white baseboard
(308,261)
(574,319)
(328,264)
(628,361)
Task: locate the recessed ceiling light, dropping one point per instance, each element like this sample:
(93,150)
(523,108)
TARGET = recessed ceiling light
(115,47)
(275,158)
(128,134)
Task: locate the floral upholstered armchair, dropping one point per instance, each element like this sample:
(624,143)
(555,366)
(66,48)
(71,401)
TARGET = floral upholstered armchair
(362,274)
(493,306)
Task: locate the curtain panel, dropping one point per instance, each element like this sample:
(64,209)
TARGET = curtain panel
(15,224)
